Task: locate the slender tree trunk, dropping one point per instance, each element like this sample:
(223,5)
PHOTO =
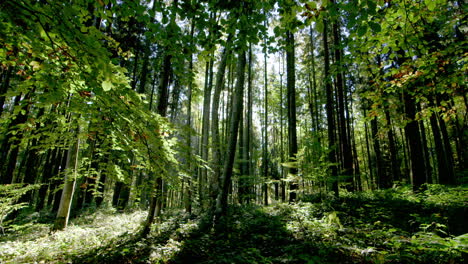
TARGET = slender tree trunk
(188,203)
(413,135)
(396,175)
(175,100)
(291,99)
(156,201)
(347,154)
(445,171)
(463,157)
(381,175)
(46,175)
(283,183)
(369,157)
(216,142)
(56,193)
(236,112)
(330,113)
(63,213)
(205,129)
(21,118)
(5,83)
(5,147)
(312,88)
(265,137)
(250,133)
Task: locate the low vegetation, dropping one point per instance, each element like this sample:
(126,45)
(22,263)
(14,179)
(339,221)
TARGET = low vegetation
(391,226)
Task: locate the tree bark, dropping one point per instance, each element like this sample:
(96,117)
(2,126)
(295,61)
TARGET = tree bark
(347,154)
(265,137)
(216,141)
(63,213)
(413,135)
(221,201)
(330,113)
(291,100)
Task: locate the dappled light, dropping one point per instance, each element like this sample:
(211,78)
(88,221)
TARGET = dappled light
(233,131)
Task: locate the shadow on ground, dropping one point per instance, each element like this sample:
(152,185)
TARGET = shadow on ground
(250,236)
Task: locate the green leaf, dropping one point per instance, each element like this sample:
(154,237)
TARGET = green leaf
(431,4)
(375,27)
(106,86)
(362,30)
(319,26)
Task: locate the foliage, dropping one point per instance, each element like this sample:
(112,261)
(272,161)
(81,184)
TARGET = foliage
(368,227)
(10,195)
(37,244)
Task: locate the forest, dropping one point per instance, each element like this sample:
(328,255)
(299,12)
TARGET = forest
(233,131)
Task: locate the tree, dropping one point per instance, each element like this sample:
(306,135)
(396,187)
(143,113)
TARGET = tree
(236,112)
(330,112)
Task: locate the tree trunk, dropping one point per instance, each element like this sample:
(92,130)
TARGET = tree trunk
(347,154)
(156,201)
(413,135)
(445,171)
(216,141)
(205,129)
(265,137)
(63,213)
(283,183)
(330,113)
(381,175)
(236,112)
(396,175)
(5,83)
(291,100)
(188,203)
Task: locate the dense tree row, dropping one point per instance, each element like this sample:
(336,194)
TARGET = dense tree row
(199,104)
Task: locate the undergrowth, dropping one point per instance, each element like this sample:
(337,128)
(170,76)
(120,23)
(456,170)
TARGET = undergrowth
(390,226)
(37,243)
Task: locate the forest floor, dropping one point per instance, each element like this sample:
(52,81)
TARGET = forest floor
(391,226)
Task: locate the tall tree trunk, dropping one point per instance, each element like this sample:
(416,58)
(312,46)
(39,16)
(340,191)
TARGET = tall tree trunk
(396,175)
(175,100)
(5,83)
(413,135)
(236,112)
(56,193)
(5,147)
(265,137)
(216,141)
(46,175)
(330,113)
(463,154)
(291,99)
(312,88)
(370,179)
(205,129)
(445,170)
(188,203)
(63,213)
(283,183)
(381,175)
(156,201)
(347,154)
(250,133)
(14,145)
(146,57)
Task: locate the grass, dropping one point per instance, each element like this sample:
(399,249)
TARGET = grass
(391,226)
(32,243)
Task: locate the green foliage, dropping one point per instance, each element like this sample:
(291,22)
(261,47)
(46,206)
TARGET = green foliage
(10,195)
(390,226)
(86,233)
(70,74)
